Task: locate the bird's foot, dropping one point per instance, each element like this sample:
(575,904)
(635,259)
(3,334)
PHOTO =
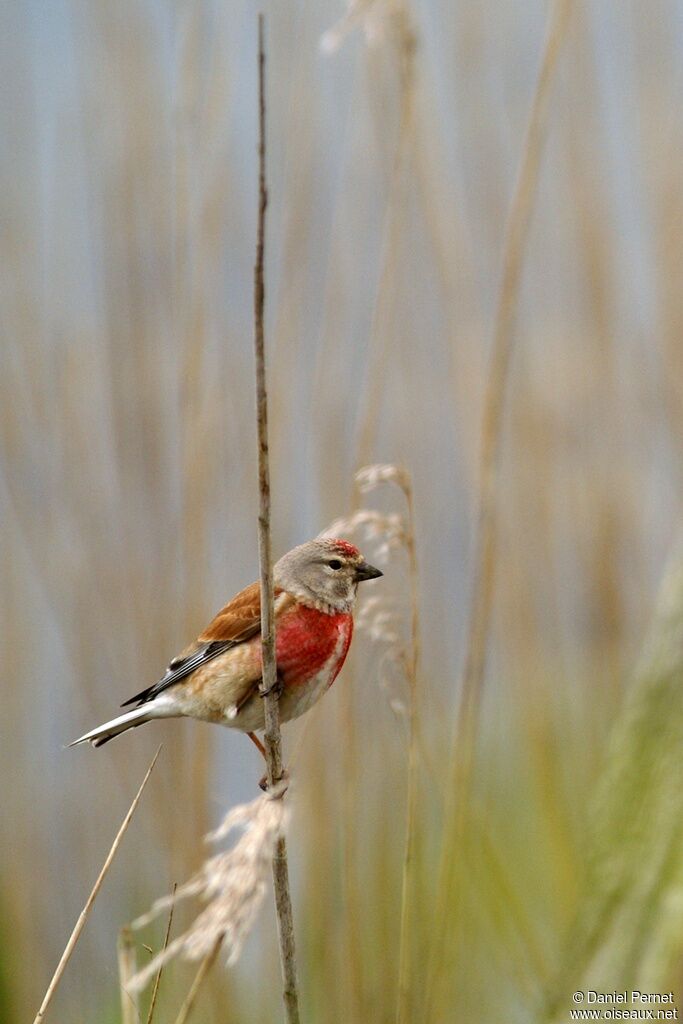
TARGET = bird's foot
(280,787)
(276,689)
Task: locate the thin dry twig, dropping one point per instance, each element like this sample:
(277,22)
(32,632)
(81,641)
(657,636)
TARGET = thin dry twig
(514,248)
(272,737)
(83,916)
(157,980)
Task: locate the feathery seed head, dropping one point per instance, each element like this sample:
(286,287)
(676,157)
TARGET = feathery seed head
(381,21)
(384,621)
(232,884)
(370,477)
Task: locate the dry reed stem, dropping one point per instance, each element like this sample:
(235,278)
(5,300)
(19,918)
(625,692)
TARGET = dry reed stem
(368,427)
(157,980)
(272,737)
(353,1006)
(202,971)
(491,434)
(403,1013)
(514,247)
(83,916)
(130,1009)
(393,228)
(398,532)
(366,478)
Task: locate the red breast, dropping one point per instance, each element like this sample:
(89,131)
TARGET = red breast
(307,639)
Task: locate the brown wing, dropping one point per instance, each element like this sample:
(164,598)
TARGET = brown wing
(240,618)
(238,621)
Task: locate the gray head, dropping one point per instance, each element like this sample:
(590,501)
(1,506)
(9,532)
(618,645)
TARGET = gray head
(324,574)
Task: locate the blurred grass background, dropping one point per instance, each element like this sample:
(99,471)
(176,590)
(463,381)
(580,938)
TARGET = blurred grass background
(128,489)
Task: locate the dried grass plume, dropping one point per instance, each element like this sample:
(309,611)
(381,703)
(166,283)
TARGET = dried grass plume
(380,20)
(231,883)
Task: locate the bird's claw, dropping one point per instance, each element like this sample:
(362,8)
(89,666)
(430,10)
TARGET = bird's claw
(276,689)
(282,783)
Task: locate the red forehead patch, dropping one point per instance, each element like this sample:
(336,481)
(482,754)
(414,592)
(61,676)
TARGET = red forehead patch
(345,548)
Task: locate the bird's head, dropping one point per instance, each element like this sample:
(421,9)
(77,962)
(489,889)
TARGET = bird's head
(324,574)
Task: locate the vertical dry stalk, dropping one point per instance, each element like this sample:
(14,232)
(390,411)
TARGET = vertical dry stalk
(494,402)
(491,436)
(403,1014)
(404,534)
(130,1010)
(191,997)
(272,738)
(83,916)
(382,328)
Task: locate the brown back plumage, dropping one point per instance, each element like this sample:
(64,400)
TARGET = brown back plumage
(237,621)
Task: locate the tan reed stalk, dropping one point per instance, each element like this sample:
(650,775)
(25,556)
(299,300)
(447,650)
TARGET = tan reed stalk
(83,916)
(405,46)
(130,1009)
(271,736)
(189,267)
(191,997)
(403,1013)
(366,479)
(514,248)
(157,980)
(380,340)
(369,418)
(351,912)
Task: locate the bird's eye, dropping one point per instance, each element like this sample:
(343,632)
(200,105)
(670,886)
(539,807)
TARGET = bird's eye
(335,564)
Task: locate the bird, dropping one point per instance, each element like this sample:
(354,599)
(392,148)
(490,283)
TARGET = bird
(218,676)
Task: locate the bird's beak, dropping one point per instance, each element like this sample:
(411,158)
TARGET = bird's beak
(365,571)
